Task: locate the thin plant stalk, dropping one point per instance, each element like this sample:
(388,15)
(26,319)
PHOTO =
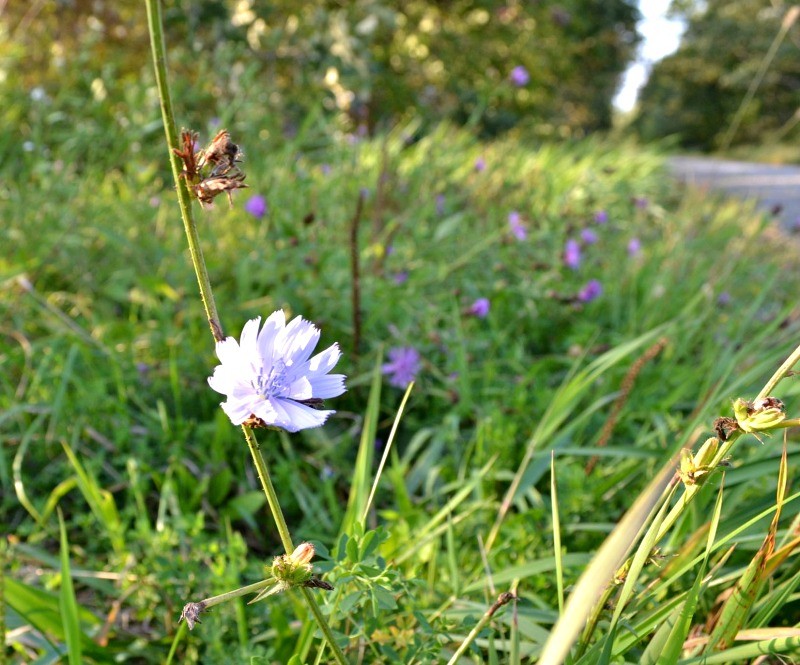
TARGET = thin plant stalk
(155,25)
(503,599)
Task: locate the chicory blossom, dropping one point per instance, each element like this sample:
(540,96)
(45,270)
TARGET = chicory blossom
(270,378)
(634,247)
(600,217)
(516,226)
(403,365)
(480,308)
(572,254)
(593,289)
(256,205)
(519,76)
(588,236)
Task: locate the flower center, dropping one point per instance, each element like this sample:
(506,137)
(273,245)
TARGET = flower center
(273,383)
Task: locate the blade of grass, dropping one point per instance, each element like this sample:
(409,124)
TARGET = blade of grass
(359,488)
(67,604)
(556,534)
(101,501)
(386,450)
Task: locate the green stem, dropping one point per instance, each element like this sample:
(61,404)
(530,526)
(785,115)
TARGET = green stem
(155,25)
(230,595)
(286,539)
(269,489)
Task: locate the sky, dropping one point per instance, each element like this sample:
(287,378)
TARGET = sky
(661,37)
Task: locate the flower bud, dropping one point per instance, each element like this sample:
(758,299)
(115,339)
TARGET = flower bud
(758,416)
(295,568)
(694,469)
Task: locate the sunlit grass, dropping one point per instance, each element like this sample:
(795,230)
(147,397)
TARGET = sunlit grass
(107,415)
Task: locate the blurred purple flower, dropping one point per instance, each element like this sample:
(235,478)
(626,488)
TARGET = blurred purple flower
(724,298)
(634,247)
(403,365)
(440,201)
(572,254)
(640,202)
(593,289)
(516,226)
(480,164)
(400,277)
(588,236)
(155,201)
(256,205)
(601,217)
(325,168)
(519,76)
(480,308)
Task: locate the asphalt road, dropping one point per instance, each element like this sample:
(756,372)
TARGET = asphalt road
(771,185)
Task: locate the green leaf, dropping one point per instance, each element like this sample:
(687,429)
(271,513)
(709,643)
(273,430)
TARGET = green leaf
(68,605)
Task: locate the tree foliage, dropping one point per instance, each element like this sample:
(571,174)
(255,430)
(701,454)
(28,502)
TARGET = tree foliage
(696,93)
(367,62)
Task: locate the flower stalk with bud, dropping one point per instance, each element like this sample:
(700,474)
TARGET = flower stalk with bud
(205,174)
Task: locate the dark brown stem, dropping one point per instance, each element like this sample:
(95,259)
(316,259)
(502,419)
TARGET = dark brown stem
(624,393)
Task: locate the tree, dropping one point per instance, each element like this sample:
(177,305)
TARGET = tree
(697,92)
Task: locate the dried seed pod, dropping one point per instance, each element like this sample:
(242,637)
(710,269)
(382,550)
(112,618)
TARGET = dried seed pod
(222,153)
(207,190)
(191,169)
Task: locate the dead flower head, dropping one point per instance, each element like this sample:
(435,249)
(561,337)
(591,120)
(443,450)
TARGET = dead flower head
(213,170)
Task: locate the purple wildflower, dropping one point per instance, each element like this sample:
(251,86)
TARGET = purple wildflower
(440,201)
(572,254)
(480,164)
(480,308)
(519,76)
(634,247)
(593,289)
(403,365)
(640,202)
(256,205)
(325,169)
(517,227)
(588,236)
(155,201)
(600,217)
(724,298)
(400,277)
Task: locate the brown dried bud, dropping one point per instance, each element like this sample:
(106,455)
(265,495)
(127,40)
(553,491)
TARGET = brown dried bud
(191,613)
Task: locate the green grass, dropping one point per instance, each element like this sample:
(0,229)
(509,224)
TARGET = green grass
(106,414)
